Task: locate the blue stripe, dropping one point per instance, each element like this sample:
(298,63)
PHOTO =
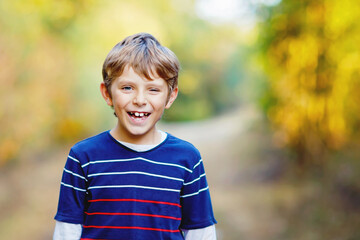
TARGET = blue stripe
(136,159)
(135,172)
(135,186)
(71,186)
(74,174)
(74,159)
(195,180)
(195,193)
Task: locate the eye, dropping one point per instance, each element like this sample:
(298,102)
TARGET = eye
(154,90)
(127,88)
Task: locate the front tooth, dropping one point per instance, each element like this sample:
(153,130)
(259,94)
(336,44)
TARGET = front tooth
(141,114)
(137,114)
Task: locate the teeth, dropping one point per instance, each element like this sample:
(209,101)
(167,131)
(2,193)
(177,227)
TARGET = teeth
(137,114)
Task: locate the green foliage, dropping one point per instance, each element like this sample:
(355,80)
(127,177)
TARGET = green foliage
(310,51)
(53,53)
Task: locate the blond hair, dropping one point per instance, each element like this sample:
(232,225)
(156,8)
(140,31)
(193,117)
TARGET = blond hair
(146,56)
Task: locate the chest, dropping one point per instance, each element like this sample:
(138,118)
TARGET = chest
(122,178)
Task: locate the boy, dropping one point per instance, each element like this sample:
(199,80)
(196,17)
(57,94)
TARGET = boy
(135,181)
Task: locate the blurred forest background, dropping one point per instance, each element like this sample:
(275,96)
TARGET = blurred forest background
(269,92)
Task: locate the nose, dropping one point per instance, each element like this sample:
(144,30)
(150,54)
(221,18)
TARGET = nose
(140,99)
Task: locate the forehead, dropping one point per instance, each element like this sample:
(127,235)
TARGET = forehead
(129,74)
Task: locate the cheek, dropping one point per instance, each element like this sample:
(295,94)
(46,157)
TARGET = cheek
(161,105)
(120,102)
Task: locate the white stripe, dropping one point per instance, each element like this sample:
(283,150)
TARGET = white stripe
(135,159)
(74,159)
(135,186)
(197,164)
(84,165)
(197,179)
(71,186)
(76,175)
(195,193)
(142,173)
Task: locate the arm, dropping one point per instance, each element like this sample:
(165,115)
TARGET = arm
(72,198)
(198,218)
(207,233)
(67,231)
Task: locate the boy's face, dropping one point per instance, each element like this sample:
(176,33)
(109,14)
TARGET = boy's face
(139,104)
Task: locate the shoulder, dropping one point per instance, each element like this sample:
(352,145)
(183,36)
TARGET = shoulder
(180,147)
(180,143)
(92,143)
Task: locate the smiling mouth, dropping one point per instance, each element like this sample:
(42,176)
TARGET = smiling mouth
(139,115)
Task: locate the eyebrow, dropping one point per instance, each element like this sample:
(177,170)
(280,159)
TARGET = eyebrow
(153,83)
(125,80)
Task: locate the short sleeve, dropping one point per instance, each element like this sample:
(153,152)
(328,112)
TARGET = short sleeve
(73,192)
(195,199)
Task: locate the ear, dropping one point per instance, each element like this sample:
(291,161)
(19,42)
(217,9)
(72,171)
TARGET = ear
(172,97)
(105,93)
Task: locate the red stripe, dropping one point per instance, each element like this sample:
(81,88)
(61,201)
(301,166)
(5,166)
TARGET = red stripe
(91,239)
(140,228)
(133,214)
(134,200)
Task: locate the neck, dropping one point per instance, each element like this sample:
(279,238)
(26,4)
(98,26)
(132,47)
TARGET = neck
(150,138)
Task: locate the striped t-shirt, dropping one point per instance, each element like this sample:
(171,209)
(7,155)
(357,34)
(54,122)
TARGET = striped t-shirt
(118,193)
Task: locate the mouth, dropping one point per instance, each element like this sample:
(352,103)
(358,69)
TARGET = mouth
(138,115)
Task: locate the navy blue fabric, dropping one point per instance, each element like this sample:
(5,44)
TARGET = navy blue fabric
(118,193)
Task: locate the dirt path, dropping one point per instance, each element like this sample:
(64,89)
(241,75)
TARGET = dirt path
(232,149)
(229,147)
